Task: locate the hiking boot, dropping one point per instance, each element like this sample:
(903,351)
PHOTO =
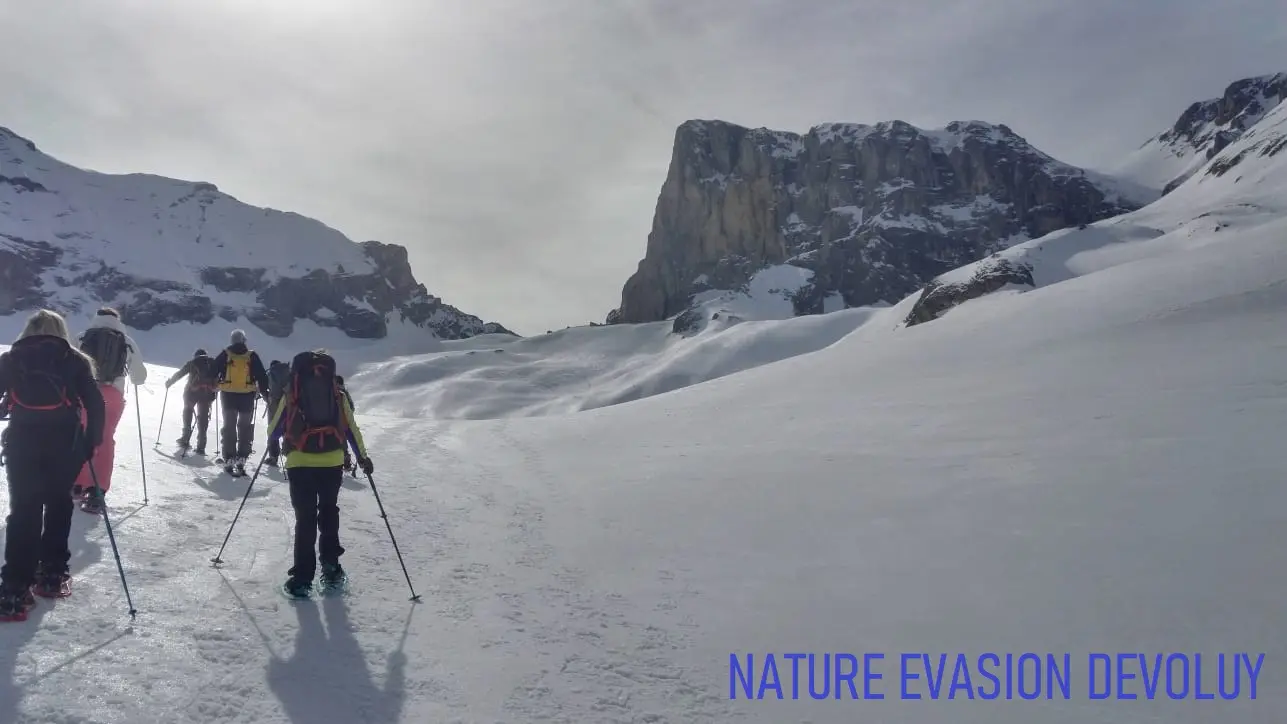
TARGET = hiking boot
(50,584)
(332,573)
(271,461)
(94,502)
(183,442)
(79,493)
(15,601)
(201,450)
(297,586)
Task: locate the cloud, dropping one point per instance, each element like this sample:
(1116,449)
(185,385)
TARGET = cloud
(517,147)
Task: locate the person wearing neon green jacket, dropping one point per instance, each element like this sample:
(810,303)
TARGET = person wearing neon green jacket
(315,479)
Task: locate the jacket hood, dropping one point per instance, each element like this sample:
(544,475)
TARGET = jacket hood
(108,321)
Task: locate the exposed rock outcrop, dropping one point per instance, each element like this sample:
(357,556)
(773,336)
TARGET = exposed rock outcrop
(990,276)
(1202,131)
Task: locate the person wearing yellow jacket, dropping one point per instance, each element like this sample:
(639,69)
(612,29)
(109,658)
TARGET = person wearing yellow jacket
(315,424)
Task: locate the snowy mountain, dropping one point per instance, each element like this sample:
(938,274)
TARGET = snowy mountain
(1245,182)
(165,251)
(858,215)
(1203,130)
(1090,467)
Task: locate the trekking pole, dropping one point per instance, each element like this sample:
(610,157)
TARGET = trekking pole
(112,537)
(161,424)
(138,415)
(414,596)
(218,559)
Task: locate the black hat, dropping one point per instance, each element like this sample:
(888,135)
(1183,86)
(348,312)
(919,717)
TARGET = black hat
(199,353)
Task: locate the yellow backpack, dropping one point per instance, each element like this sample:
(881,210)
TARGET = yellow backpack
(236,377)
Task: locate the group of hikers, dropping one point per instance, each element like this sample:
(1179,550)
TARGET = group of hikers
(238,378)
(63,402)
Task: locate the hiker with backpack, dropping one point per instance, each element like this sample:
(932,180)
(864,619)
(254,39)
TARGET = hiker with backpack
(315,424)
(198,395)
(278,379)
(115,354)
(48,387)
(242,377)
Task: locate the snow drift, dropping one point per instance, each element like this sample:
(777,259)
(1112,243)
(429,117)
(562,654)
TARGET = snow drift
(584,368)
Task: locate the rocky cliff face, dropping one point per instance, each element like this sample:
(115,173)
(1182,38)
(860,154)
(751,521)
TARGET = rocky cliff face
(874,212)
(1230,150)
(165,251)
(1204,130)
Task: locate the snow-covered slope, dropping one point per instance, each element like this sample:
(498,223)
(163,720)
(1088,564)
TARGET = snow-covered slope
(1243,186)
(582,368)
(166,251)
(1091,467)
(1203,130)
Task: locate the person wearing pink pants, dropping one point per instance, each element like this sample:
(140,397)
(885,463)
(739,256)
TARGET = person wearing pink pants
(105,454)
(115,355)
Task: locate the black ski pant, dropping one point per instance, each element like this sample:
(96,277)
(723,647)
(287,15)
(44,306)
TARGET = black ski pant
(41,464)
(199,402)
(315,494)
(238,424)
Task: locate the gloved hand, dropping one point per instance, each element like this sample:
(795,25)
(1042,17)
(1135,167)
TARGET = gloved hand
(168,383)
(367,466)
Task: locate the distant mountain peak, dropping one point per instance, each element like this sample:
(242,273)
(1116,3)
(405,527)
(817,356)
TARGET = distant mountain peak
(1203,130)
(165,250)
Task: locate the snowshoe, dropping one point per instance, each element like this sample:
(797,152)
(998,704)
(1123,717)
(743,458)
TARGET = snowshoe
(54,586)
(16,603)
(240,468)
(334,579)
(297,588)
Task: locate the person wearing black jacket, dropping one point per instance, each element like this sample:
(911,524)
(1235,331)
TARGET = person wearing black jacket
(241,377)
(49,386)
(198,395)
(278,379)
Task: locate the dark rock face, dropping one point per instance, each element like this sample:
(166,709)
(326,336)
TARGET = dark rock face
(875,212)
(1210,126)
(22,262)
(990,276)
(65,269)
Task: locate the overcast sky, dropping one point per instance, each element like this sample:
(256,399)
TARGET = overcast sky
(517,147)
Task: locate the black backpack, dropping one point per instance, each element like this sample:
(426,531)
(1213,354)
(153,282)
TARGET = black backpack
(37,388)
(278,379)
(109,350)
(315,421)
(204,376)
